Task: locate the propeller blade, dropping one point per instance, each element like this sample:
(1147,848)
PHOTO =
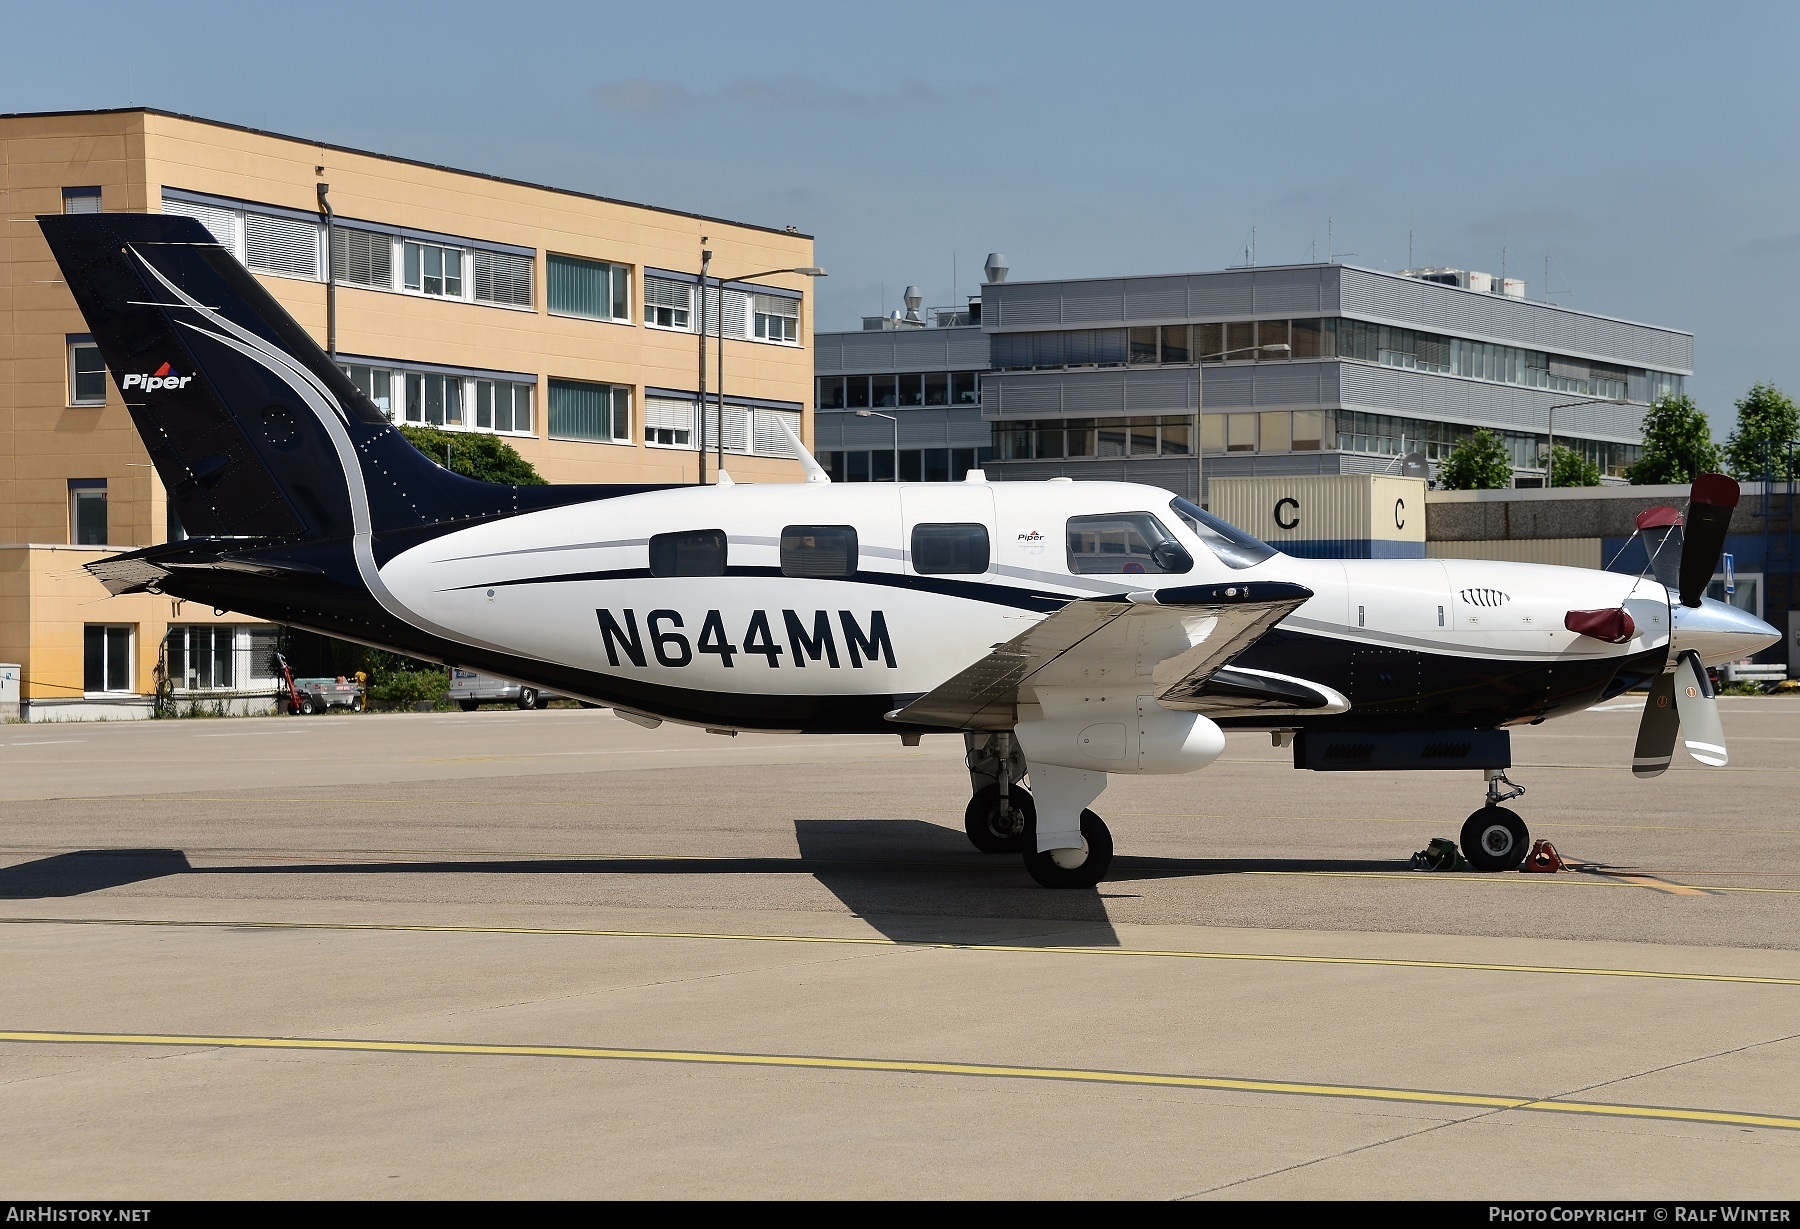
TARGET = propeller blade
(1656,730)
(1698,710)
(1708,518)
(1661,528)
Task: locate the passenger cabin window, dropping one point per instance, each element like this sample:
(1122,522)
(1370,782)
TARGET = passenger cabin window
(950,550)
(818,551)
(697,552)
(1124,543)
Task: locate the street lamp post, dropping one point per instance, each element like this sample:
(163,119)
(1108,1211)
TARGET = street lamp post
(719,312)
(1550,460)
(892,422)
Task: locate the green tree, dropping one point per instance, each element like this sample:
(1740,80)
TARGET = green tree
(474,454)
(1767,423)
(1678,444)
(1571,468)
(1478,463)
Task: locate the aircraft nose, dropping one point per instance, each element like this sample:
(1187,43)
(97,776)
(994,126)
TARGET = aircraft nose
(1719,631)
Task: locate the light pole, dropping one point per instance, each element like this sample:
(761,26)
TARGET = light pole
(892,422)
(1550,460)
(719,312)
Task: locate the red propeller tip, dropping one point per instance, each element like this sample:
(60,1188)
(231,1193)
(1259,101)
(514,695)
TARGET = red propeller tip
(1715,489)
(1656,518)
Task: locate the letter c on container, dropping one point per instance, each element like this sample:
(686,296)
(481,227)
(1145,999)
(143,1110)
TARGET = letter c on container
(1287,501)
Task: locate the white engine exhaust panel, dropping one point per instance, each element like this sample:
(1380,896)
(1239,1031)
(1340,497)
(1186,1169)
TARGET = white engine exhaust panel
(1147,739)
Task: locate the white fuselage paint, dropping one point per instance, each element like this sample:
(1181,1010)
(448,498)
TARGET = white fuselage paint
(495,584)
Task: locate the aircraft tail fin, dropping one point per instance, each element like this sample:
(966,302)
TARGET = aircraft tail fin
(253,429)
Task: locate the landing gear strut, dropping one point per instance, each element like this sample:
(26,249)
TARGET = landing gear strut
(1002,817)
(1001,812)
(1495,838)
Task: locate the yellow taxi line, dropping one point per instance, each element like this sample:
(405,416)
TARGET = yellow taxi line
(919,1067)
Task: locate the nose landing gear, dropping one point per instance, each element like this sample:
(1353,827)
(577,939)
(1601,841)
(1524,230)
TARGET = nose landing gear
(1495,838)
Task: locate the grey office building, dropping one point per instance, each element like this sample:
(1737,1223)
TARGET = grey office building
(1291,369)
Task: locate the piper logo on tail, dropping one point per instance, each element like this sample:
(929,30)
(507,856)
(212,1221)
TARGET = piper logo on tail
(162,377)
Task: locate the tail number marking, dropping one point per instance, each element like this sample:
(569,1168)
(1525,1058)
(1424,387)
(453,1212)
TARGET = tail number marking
(809,642)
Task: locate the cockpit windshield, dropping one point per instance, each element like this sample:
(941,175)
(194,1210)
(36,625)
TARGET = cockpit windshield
(1233,546)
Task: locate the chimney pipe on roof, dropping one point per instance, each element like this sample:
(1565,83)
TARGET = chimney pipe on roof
(914,297)
(996,268)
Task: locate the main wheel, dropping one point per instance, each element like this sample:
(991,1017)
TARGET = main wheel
(1495,839)
(1051,869)
(528,698)
(992,830)
(468,706)
(309,706)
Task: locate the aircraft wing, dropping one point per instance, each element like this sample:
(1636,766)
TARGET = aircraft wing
(1169,642)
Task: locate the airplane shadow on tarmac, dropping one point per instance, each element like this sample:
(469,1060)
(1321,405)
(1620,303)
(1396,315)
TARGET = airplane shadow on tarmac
(913,881)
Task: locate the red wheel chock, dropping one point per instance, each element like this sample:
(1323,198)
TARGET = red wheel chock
(1543,859)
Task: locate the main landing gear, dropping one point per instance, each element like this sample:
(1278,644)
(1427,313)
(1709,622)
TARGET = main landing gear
(1002,815)
(1495,838)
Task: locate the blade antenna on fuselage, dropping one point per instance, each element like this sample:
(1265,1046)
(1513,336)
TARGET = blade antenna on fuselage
(814,471)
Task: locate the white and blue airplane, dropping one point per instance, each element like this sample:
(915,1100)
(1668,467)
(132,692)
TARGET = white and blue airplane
(1067,631)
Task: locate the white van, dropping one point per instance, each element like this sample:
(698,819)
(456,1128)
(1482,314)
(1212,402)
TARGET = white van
(470,690)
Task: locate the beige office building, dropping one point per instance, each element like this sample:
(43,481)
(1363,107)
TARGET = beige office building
(565,322)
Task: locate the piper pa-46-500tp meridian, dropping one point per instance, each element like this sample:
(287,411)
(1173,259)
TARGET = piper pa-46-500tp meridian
(1067,631)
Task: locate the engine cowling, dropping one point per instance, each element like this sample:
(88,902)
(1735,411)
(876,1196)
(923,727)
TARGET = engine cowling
(1147,739)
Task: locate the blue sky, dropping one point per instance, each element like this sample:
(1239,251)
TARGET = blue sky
(1647,149)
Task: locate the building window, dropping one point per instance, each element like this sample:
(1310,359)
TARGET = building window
(504,406)
(600,413)
(362,258)
(591,289)
(106,658)
(777,318)
(202,657)
(81,200)
(965,388)
(830,393)
(281,245)
(376,383)
(667,303)
(87,373)
(87,511)
(503,278)
(669,422)
(433,270)
(434,400)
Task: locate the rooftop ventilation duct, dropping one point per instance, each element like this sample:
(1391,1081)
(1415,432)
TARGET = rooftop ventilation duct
(996,267)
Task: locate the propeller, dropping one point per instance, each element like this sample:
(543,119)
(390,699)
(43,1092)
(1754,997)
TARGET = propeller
(1684,554)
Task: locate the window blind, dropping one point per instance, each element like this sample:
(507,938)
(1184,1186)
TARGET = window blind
(661,292)
(771,440)
(589,288)
(281,245)
(668,414)
(221,223)
(363,258)
(502,277)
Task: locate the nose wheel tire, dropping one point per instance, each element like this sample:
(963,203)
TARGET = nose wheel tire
(1495,839)
(993,829)
(1051,869)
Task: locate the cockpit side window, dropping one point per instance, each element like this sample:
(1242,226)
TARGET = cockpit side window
(1124,544)
(1233,546)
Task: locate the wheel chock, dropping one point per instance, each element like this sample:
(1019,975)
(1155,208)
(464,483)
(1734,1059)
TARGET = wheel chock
(1441,855)
(1543,860)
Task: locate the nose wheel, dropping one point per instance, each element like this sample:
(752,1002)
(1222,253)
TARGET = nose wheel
(1495,838)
